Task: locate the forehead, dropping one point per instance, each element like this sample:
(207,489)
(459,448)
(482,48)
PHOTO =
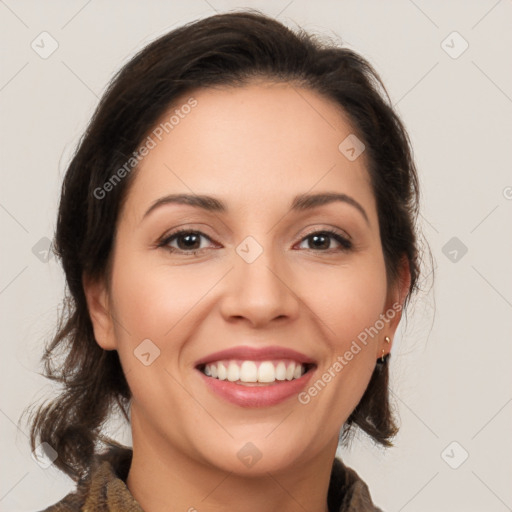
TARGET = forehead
(256,143)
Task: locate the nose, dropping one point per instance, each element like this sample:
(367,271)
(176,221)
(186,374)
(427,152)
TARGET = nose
(260,292)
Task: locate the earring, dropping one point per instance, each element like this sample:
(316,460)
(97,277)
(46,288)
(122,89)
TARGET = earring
(384,356)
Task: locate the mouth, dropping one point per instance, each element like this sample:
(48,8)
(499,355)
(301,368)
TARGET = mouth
(256,377)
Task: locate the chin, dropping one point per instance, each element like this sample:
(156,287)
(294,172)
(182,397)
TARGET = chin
(256,457)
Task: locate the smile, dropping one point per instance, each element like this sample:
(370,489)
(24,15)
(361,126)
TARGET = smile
(249,376)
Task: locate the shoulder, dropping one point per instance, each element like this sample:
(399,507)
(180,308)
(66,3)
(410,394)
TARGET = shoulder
(103,486)
(74,501)
(347,491)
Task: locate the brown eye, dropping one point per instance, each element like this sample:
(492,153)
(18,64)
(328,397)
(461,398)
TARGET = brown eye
(188,241)
(322,241)
(184,241)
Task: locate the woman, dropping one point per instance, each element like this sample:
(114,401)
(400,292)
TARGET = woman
(237,230)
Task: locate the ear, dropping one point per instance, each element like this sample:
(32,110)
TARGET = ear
(395,302)
(96,294)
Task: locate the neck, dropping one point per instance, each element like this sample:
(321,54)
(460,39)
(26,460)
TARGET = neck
(160,478)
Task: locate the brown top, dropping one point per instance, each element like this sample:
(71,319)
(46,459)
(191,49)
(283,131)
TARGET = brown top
(105,489)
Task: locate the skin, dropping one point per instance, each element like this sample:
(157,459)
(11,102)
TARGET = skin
(254,147)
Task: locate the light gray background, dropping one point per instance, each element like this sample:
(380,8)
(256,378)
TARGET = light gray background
(451,367)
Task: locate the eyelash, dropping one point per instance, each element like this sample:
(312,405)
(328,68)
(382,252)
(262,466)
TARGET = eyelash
(346,245)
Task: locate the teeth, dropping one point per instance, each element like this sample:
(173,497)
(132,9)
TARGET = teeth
(252,371)
(248,372)
(233,372)
(221,371)
(281,371)
(266,372)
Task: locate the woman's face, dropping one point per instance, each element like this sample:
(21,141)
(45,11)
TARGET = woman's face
(255,272)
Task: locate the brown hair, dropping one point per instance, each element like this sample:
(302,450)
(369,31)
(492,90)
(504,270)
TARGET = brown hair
(226,49)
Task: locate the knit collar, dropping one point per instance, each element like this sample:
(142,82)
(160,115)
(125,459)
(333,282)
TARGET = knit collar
(105,489)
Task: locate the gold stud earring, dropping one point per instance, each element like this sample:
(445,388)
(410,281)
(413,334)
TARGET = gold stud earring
(387,339)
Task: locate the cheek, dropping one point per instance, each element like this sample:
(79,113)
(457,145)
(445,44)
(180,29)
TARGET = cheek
(349,300)
(165,304)
(152,300)
(350,306)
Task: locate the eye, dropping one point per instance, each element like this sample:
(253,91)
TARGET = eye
(322,240)
(185,240)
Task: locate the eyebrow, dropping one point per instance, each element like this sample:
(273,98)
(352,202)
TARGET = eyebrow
(300,202)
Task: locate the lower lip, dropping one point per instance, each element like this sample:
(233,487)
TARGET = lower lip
(257,396)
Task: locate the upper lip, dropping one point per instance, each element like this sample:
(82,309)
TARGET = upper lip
(248,353)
